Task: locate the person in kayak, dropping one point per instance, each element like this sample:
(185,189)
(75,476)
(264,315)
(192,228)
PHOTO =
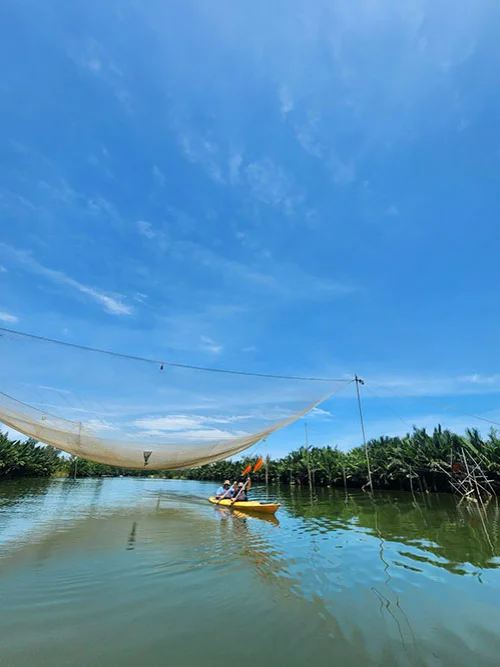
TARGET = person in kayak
(240,496)
(224,491)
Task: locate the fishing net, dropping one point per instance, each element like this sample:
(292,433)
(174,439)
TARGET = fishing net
(133,412)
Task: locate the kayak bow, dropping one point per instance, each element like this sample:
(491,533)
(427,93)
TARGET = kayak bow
(249,505)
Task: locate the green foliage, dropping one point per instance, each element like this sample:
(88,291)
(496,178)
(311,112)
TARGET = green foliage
(27,459)
(418,460)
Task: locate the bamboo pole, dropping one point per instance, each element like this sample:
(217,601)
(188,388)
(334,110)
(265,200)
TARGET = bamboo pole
(309,477)
(358,382)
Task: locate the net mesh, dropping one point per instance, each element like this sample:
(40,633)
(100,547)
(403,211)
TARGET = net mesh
(134,413)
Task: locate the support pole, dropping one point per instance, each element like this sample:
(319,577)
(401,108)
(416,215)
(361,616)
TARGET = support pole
(309,476)
(358,382)
(266,469)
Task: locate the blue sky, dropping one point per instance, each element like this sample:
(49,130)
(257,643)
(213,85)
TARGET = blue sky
(304,187)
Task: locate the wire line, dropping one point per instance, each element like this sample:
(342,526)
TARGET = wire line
(160,362)
(435,403)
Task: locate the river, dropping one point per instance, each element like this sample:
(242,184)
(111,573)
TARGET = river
(136,572)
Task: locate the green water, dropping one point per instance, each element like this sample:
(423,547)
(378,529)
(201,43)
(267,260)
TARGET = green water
(146,572)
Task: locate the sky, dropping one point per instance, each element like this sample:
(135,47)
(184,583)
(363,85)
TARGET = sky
(304,187)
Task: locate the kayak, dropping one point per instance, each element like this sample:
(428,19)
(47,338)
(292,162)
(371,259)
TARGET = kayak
(248,505)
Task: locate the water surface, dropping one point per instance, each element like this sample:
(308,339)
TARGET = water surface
(146,572)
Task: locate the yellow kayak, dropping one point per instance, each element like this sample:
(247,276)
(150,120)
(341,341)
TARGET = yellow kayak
(248,505)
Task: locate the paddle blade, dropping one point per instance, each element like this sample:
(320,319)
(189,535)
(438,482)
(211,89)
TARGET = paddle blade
(247,470)
(258,465)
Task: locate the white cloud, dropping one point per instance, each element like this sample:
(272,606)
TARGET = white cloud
(3,269)
(9,319)
(99,425)
(201,435)
(111,303)
(101,206)
(146,229)
(58,391)
(211,346)
(160,238)
(171,423)
(188,427)
(320,413)
(140,297)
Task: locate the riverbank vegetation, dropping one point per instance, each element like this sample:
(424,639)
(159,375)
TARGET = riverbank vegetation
(28,458)
(419,460)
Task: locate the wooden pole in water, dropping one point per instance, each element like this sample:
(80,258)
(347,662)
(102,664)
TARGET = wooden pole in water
(266,469)
(358,382)
(309,477)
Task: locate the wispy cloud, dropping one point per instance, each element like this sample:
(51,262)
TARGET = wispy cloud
(320,413)
(202,151)
(188,427)
(3,269)
(281,279)
(111,303)
(392,211)
(8,318)
(270,184)
(477,379)
(140,297)
(313,139)
(146,229)
(159,239)
(435,386)
(211,346)
(235,162)
(286,100)
(263,179)
(92,58)
(343,172)
(307,137)
(158,176)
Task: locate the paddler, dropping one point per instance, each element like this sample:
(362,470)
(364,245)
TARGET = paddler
(240,494)
(224,491)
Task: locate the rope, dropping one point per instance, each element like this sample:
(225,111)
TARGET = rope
(159,362)
(435,403)
(407,423)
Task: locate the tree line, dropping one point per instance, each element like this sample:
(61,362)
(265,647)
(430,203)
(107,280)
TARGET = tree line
(417,461)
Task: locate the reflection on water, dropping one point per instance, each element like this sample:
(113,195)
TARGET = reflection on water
(149,569)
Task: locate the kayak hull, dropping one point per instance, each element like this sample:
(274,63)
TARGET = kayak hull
(248,505)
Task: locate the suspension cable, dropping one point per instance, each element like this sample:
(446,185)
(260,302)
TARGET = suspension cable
(161,363)
(435,403)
